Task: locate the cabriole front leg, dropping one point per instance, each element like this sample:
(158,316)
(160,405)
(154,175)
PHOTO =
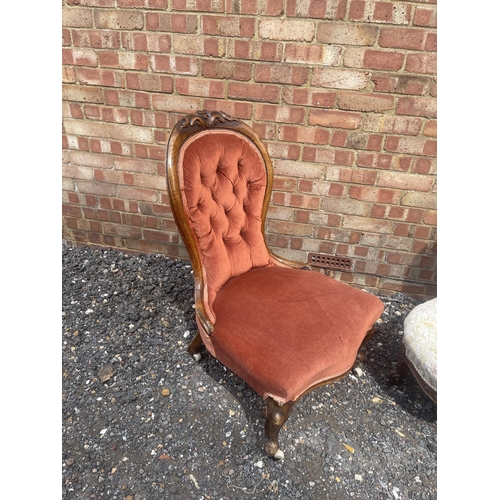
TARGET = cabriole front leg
(276,416)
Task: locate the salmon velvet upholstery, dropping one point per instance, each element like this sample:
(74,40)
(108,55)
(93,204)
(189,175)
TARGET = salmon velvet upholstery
(280,328)
(223,182)
(284,330)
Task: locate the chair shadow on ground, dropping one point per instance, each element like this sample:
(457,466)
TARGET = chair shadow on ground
(380,357)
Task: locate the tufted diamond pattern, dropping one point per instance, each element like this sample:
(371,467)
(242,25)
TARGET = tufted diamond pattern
(223,182)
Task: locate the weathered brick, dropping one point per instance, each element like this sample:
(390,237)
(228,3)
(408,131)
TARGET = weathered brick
(335,119)
(165,102)
(285,29)
(98,39)
(364,102)
(119,19)
(339,79)
(232,70)
(319,9)
(346,34)
(312,54)
(402,180)
(298,169)
(77,18)
(421,200)
(82,94)
(402,125)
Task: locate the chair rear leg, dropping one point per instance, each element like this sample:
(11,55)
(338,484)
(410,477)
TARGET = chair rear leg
(194,347)
(276,416)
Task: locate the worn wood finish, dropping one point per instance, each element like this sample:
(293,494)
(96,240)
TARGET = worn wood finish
(404,367)
(276,414)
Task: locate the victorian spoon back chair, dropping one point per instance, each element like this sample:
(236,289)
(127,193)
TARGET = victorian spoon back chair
(281,327)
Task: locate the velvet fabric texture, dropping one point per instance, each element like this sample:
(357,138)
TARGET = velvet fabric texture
(284,330)
(223,182)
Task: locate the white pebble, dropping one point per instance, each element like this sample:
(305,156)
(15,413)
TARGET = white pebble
(279,455)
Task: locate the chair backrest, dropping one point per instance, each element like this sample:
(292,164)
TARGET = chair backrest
(219,182)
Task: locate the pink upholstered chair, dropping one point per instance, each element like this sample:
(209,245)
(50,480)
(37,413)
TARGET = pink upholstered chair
(282,328)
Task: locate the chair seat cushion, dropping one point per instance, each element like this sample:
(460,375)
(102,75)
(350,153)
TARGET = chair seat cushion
(284,330)
(420,341)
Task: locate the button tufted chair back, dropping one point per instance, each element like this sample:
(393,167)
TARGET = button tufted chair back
(220,172)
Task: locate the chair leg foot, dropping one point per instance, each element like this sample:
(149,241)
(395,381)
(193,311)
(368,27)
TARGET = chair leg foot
(276,416)
(195,345)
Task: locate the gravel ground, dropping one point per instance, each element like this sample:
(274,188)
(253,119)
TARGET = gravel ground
(143,421)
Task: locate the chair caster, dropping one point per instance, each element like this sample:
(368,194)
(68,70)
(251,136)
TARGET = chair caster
(395,377)
(197,356)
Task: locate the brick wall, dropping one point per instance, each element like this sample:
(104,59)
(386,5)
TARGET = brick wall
(343,92)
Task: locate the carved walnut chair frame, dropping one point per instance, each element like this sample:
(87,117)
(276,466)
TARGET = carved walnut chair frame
(276,412)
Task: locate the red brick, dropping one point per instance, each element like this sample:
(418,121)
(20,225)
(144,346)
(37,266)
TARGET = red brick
(308,97)
(123,60)
(253,92)
(421,63)
(292,75)
(417,106)
(236,26)
(199,5)
(150,82)
(254,50)
(98,39)
(280,114)
(425,17)
(177,23)
(203,88)
(402,38)
(311,135)
(174,65)
(146,42)
(378,59)
(401,84)
(235,109)
(319,9)
(430,128)
(101,77)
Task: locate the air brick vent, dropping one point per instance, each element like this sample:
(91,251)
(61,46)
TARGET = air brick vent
(329,261)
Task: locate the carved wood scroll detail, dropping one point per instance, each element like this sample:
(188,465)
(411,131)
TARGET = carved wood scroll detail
(205,119)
